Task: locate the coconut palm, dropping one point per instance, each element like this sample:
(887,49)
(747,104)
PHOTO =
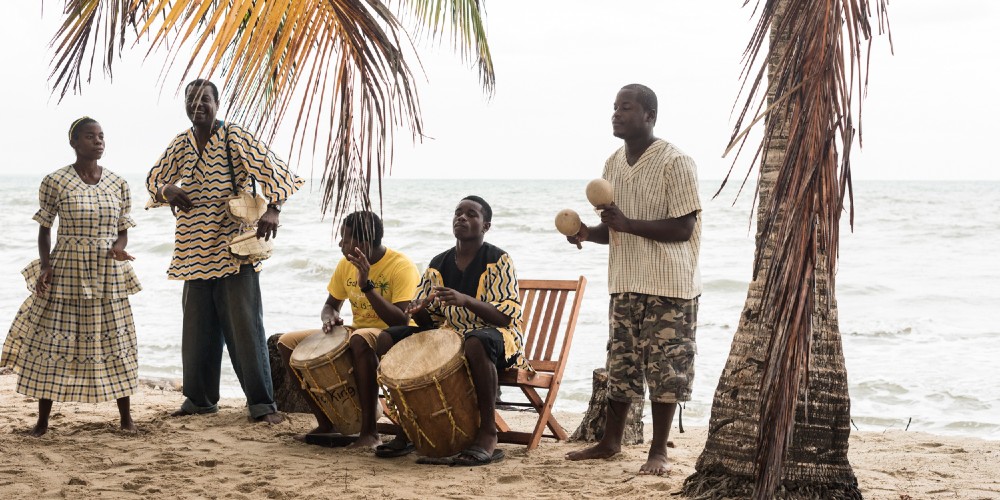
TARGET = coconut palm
(339,68)
(780,418)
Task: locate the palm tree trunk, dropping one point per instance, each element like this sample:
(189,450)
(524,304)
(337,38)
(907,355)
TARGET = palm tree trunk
(816,464)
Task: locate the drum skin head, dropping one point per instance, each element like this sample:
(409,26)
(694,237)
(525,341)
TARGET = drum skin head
(320,344)
(420,354)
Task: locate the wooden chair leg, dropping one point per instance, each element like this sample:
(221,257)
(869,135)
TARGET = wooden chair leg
(502,425)
(391,427)
(545,417)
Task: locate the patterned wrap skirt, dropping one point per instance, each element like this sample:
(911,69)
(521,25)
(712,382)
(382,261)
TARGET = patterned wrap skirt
(72,349)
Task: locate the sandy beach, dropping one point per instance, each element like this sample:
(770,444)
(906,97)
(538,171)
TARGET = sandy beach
(84,455)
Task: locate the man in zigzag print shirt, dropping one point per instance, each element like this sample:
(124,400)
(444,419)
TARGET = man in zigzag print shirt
(221,301)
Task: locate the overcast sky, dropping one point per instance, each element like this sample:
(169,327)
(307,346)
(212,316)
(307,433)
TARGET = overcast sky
(931,110)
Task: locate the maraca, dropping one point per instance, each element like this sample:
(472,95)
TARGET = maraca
(600,192)
(568,223)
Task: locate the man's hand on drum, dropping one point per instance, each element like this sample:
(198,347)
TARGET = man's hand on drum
(331,319)
(360,261)
(451,297)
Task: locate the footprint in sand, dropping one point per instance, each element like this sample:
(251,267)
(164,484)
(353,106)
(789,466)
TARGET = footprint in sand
(131,486)
(246,487)
(137,483)
(274,493)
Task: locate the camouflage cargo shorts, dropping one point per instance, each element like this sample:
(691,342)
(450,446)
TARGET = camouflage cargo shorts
(652,338)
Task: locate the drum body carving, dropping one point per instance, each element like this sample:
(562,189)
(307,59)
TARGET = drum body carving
(429,391)
(324,367)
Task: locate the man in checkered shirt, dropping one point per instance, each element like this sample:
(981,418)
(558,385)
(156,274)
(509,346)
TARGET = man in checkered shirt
(654,232)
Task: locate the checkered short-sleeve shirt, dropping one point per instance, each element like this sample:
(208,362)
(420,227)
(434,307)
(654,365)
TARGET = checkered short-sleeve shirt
(663,184)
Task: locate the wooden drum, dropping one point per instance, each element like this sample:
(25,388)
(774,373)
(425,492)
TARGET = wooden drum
(325,368)
(429,391)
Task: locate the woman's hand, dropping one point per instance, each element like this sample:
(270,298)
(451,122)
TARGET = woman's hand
(450,297)
(118,252)
(42,285)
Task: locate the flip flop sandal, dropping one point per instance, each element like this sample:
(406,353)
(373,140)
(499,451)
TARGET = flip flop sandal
(437,460)
(392,449)
(474,456)
(329,440)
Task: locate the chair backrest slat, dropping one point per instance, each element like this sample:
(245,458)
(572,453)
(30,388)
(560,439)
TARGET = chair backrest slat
(543,305)
(543,332)
(538,307)
(556,322)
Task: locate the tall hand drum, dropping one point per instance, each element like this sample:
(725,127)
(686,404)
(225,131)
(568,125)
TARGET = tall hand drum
(429,390)
(324,366)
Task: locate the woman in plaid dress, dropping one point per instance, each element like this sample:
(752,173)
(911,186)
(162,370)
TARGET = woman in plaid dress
(73,338)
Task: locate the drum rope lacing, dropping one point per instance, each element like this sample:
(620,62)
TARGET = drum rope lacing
(411,419)
(317,393)
(411,416)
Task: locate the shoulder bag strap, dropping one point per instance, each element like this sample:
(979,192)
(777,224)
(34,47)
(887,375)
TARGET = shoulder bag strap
(232,169)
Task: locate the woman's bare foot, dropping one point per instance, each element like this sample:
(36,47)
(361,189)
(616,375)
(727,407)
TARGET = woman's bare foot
(44,410)
(128,425)
(365,442)
(656,464)
(599,450)
(40,429)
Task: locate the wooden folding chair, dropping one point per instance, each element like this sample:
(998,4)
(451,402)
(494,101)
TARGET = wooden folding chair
(547,339)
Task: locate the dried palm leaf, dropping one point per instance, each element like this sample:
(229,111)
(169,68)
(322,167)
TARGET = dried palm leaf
(339,63)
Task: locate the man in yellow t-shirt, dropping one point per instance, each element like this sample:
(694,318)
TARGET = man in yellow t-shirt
(379,283)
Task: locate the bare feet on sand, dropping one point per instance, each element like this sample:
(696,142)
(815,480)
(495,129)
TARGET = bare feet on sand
(39,430)
(599,450)
(271,418)
(365,442)
(656,464)
(128,426)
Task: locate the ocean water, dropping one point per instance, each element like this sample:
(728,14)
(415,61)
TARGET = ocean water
(918,284)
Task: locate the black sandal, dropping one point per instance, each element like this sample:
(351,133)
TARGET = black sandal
(394,448)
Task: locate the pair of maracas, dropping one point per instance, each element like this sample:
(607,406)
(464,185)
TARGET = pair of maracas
(599,192)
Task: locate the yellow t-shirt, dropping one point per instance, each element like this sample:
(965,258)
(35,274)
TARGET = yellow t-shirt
(395,278)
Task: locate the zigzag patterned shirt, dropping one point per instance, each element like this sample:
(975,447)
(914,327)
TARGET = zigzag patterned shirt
(491,278)
(202,234)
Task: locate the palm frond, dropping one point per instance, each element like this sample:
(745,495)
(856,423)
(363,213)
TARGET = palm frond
(338,64)
(88,23)
(467,28)
(808,104)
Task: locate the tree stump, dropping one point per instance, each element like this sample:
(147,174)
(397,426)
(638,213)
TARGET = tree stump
(287,395)
(592,426)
